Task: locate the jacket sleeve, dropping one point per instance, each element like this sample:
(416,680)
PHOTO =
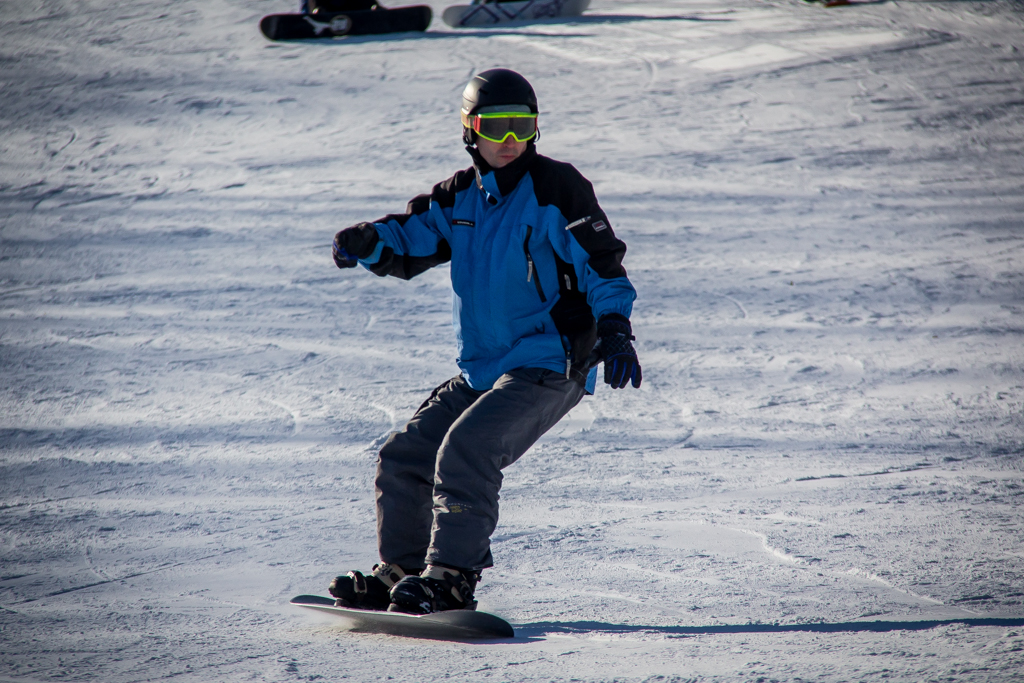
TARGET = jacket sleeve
(586,240)
(415,241)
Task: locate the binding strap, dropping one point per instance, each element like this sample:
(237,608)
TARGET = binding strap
(389,574)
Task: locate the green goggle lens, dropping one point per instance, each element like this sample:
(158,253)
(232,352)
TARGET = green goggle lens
(497,127)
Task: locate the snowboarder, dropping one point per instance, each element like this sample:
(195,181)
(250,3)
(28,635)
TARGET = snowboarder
(540,297)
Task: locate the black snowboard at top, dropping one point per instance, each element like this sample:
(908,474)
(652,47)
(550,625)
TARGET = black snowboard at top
(322,24)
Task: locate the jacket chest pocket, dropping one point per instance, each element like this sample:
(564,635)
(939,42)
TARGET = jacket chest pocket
(531,266)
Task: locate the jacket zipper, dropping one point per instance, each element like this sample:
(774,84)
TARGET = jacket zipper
(530,268)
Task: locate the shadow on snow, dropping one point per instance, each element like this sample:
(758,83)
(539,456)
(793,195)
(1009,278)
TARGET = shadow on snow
(540,628)
(506,28)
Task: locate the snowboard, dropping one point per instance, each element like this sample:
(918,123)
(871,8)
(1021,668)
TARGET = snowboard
(490,13)
(459,624)
(357,23)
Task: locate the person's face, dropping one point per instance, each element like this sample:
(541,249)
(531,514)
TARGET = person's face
(500,154)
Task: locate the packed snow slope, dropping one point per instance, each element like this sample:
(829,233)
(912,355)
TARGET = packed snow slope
(823,209)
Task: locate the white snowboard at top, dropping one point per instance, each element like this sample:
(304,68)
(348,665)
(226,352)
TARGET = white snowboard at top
(502,12)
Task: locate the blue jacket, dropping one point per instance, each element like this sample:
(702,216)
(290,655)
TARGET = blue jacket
(534,264)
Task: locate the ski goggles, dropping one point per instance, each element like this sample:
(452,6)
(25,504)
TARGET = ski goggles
(497,126)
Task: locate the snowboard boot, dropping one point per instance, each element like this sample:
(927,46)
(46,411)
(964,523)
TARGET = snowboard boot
(435,590)
(368,592)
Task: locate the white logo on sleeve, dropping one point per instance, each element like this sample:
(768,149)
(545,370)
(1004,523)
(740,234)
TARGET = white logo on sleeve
(579,222)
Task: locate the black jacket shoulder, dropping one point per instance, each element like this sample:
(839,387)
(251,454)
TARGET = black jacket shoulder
(444,192)
(559,183)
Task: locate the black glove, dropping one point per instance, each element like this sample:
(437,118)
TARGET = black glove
(620,362)
(352,244)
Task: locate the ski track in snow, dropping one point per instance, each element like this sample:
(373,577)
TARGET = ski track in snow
(823,212)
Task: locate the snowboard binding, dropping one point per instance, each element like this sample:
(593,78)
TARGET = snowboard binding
(368,592)
(437,589)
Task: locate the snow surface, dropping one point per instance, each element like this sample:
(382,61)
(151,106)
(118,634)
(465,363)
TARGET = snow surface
(823,209)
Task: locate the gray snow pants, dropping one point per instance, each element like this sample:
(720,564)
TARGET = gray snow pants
(438,479)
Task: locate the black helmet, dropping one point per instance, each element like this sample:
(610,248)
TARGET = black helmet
(495,87)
